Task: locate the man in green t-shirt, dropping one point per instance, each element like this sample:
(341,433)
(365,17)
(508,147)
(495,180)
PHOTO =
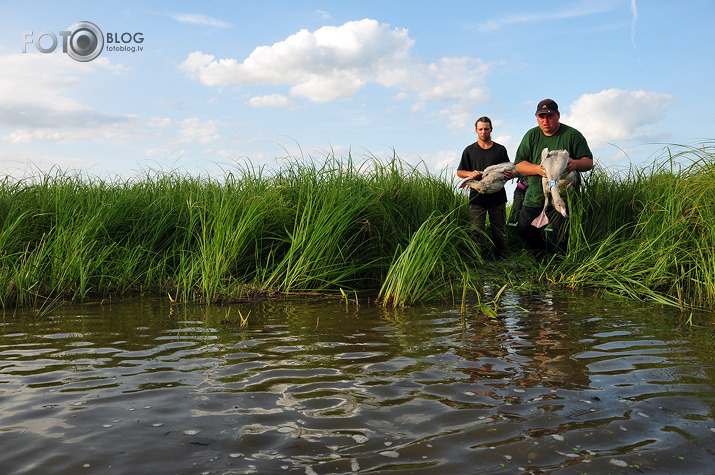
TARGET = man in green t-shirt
(553,135)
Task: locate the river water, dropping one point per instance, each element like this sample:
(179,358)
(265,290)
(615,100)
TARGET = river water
(558,383)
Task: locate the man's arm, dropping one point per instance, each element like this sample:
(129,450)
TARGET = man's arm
(467,174)
(582,164)
(528,168)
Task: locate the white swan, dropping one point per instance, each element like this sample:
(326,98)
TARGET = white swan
(554,164)
(492,179)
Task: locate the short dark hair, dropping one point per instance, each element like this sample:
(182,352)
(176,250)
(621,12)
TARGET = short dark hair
(484,119)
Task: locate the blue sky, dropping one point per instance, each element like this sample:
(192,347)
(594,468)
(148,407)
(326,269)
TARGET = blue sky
(217,83)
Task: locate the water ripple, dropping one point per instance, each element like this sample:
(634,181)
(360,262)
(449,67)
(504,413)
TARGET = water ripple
(550,387)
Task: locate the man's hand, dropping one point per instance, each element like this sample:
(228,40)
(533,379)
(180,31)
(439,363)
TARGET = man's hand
(509,174)
(528,168)
(582,164)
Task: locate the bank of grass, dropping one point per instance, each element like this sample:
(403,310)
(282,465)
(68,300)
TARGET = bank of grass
(329,224)
(312,226)
(646,233)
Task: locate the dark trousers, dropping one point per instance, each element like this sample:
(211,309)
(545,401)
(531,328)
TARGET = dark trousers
(516,205)
(497,222)
(540,239)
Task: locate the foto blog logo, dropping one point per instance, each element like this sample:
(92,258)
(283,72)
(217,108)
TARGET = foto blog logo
(82,41)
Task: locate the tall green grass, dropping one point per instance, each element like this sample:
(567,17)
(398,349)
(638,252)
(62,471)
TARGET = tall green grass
(314,225)
(646,233)
(331,225)
(431,263)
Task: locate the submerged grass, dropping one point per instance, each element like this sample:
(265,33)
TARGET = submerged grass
(332,225)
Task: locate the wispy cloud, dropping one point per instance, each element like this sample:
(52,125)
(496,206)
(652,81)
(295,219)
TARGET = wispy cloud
(539,17)
(37,96)
(272,100)
(194,130)
(198,19)
(634,11)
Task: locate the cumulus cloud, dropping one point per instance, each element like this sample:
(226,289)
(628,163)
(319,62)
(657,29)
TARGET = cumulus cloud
(615,115)
(450,79)
(326,64)
(336,62)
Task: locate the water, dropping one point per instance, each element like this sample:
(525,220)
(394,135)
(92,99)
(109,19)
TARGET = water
(557,384)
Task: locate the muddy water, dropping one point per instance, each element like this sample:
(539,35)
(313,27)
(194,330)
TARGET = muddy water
(556,384)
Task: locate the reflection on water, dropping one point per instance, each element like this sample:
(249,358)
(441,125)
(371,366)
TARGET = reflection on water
(557,384)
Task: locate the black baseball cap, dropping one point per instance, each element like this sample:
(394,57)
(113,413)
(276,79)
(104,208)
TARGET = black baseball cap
(547,106)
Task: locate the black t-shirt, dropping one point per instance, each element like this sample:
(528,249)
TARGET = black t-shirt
(476,158)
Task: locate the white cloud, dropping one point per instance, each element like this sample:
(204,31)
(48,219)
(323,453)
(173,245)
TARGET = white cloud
(40,81)
(418,106)
(272,100)
(328,88)
(326,64)
(442,159)
(198,19)
(450,79)
(158,122)
(336,62)
(164,152)
(36,103)
(458,116)
(193,130)
(615,115)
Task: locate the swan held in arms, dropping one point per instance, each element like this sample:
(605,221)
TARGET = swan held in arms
(554,164)
(492,179)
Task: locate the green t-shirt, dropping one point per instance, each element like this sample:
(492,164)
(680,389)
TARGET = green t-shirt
(534,141)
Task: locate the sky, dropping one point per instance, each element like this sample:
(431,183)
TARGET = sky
(212,86)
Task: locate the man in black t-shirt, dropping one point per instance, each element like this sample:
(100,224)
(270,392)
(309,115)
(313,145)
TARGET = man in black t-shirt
(475,158)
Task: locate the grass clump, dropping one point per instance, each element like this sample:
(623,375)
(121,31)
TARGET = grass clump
(647,233)
(335,225)
(431,262)
(314,225)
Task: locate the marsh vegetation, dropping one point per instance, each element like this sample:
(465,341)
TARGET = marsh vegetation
(337,224)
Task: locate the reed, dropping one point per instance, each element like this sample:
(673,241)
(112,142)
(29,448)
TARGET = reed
(323,246)
(316,224)
(330,225)
(647,233)
(430,263)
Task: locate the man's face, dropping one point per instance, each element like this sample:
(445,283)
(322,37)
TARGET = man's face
(484,131)
(548,123)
